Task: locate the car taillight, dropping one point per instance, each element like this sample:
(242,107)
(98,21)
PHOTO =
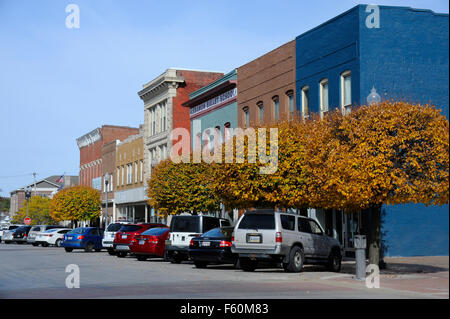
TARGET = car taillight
(278,238)
(191,243)
(225,243)
(232,238)
(154,240)
(80,237)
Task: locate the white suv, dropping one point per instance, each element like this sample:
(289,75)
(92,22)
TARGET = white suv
(109,234)
(283,237)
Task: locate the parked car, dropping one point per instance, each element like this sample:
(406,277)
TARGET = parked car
(213,247)
(31,239)
(126,234)
(287,238)
(18,235)
(109,235)
(87,238)
(5,233)
(54,236)
(151,243)
(185,227)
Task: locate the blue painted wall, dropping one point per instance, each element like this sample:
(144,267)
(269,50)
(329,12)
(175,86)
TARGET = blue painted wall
(406,58)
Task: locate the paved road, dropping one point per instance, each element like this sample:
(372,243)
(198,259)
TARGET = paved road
(37,272)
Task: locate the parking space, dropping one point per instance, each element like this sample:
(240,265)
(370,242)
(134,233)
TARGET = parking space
(38,272)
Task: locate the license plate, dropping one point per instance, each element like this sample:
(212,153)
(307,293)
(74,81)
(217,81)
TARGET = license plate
(124,236)
(206,244)
(70,238)
(254,239)
(141,242)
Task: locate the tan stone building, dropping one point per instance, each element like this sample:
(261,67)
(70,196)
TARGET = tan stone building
(130,189)
(266,87)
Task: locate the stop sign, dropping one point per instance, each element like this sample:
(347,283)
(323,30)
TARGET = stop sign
(27,220)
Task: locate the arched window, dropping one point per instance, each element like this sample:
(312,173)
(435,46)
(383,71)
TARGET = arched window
(276,108)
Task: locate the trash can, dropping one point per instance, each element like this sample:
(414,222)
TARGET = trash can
(360,256)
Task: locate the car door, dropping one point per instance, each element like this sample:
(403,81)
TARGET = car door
(319,240)
(305,235)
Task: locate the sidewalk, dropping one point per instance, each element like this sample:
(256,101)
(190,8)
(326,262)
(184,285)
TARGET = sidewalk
(427,276)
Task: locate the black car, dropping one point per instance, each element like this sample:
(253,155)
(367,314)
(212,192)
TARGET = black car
(18,235)
(213,247)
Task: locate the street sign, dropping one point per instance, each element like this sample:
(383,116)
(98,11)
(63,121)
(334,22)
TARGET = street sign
(27,220)
(27,194)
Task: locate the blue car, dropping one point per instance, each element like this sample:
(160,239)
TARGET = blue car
(87,238)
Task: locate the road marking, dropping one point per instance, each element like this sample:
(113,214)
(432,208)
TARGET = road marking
(336,276)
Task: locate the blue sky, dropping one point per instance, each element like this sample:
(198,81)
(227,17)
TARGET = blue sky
(57,84)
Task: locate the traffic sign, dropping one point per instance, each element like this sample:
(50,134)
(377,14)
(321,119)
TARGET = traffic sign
(27,220)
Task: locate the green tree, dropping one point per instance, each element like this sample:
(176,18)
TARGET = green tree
(76,203)
(38,211)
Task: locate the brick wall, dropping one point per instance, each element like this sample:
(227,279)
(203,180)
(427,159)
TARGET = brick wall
(272,74)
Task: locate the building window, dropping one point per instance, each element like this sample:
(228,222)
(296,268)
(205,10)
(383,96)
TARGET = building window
(246,116)
(291,106)
(129,173)
(142,170)
(346,91)
(276,108)
(118,176)
(136,172)
(261,111)
(153,113)
(122,177)
(305,101)
(226,130)
(324,104)
(111,182)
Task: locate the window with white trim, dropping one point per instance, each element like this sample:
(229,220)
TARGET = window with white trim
(324,102)
(246,116)
(305,101)
(276,108)
(346,91)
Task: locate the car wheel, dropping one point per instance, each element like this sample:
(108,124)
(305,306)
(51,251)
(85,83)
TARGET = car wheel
(89,247)
(200,264)
(296,259)
(247,264)
(20,242)
(334,261)
(34,244)
(175,260)
(141,257)
(121,254)
(58,243)
(111,251)
(67,249)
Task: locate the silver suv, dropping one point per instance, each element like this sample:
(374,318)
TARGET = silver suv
(283,237)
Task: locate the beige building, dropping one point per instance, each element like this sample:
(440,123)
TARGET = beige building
(130,196)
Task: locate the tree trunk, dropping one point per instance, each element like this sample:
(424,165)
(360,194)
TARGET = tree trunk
(375,235)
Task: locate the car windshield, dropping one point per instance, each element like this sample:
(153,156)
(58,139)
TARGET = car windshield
(114,227)
(36,228)
(155,231)
(80,230)
(13,227)
(185,224)
(224,232)
(129,228)
(257,221)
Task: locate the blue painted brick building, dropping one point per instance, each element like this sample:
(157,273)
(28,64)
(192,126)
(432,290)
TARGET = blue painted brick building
(403,53)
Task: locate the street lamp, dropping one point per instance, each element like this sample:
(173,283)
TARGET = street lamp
(106,209)
(373,97)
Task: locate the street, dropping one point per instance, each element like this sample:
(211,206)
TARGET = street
(38,272)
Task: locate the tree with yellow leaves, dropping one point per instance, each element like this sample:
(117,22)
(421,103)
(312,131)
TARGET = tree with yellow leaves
(175,188)
(76,203)
(38,211)
(387,153)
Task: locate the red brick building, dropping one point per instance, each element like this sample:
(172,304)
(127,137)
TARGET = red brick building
(163,110)
(91,144)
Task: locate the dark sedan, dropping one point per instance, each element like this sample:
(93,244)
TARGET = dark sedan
(18,235)
(212,247)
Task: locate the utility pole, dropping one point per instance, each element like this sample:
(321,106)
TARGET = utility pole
(34,177)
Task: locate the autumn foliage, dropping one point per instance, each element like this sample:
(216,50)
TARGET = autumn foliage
(38,211)
(76,203)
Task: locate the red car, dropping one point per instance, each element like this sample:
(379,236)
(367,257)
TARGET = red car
(127,233)
(151,243)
